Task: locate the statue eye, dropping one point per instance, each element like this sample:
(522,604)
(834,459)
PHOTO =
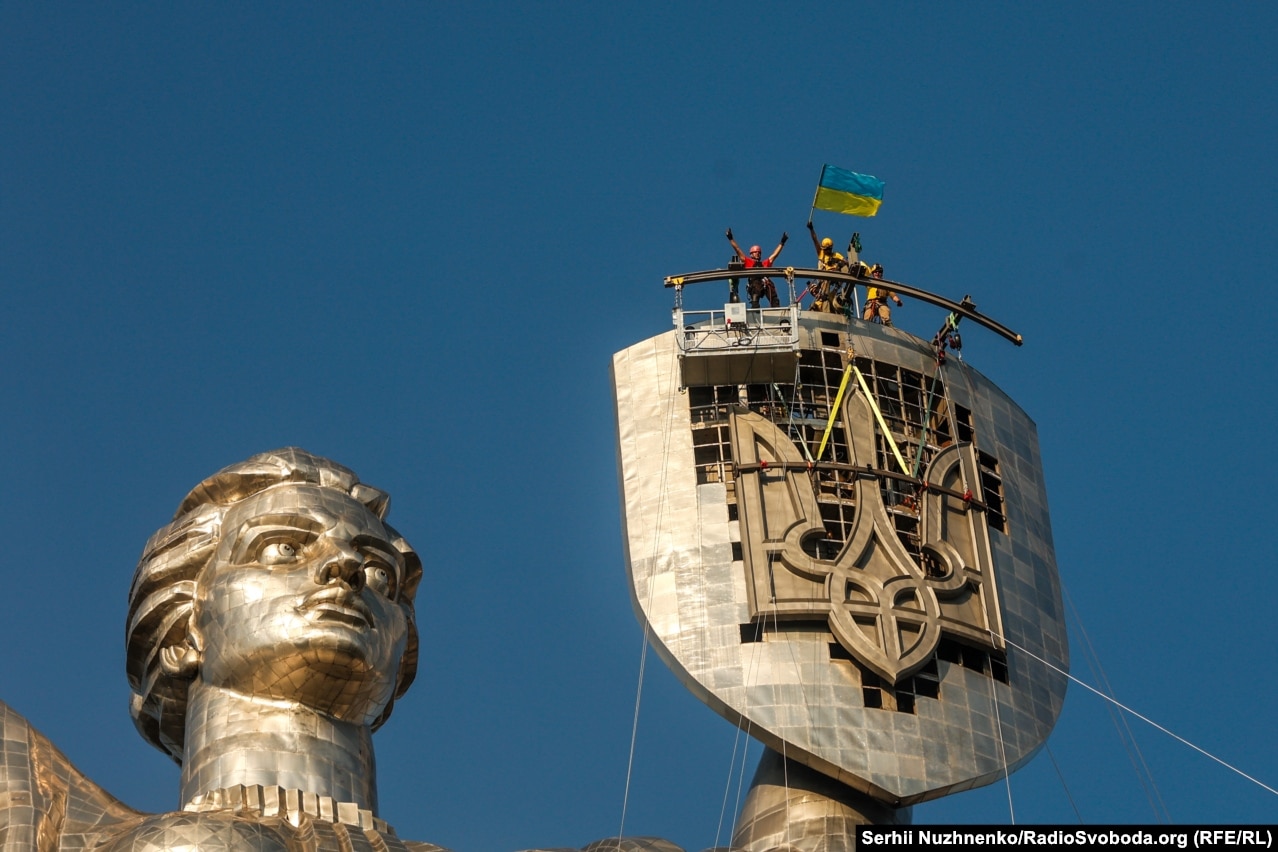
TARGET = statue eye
(381,578)
(277,553)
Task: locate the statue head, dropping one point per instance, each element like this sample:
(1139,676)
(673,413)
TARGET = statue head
(279,579)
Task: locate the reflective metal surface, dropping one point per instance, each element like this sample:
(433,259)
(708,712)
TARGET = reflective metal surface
(271,627)
(270,630)
(861,613)
(790,806)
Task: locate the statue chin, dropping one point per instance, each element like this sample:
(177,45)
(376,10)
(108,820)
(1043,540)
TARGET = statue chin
(319,678)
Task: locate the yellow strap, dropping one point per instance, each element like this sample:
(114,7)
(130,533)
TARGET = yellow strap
(882,425)
(834,412)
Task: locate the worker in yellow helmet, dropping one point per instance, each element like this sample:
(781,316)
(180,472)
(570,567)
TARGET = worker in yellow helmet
(824,249)
(827,258)
(876,299)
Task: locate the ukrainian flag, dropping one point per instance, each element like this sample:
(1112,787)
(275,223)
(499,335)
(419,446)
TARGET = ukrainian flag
(843,191)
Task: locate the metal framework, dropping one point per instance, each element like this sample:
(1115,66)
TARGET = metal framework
(965,308)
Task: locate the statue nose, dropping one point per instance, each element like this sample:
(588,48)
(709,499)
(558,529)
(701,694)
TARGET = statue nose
(345,566)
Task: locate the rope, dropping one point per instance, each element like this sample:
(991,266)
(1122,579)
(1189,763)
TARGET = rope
(1002,748)
(785,762)
(1143,718)
(732,764)
(666,432)
(1064,786)
(794,400)
(789,426)
(927,416)
(1124,731)
(978,489)
(634,734)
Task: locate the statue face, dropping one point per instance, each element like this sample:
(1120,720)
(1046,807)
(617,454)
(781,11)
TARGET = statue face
(300,603)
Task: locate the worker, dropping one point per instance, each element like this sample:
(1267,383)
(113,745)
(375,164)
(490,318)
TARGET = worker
(831,296)
(824,248)
(759,287)
(824,290)
(876,299)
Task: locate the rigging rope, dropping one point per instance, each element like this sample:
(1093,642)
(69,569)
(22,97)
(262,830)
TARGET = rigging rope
(666,432)
(1064,786)
(1124,731)
(1143,718)
(745,754)
(785,763)
(745,724)
(1002,748)
(789,426)
(927,416)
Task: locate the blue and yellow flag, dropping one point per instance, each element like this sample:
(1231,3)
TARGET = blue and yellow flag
(843,191)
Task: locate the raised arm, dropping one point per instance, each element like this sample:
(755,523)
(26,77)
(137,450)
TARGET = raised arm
(772,257)
(735,247)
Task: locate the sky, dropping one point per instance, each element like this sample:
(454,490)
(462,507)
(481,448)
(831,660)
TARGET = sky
(410,237)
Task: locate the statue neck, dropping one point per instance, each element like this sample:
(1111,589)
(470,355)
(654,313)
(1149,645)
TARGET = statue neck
(234,739)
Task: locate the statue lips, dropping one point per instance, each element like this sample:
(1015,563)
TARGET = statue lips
(339,604)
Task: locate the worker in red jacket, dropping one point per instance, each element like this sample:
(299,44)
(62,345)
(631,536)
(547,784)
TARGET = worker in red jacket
(759,287)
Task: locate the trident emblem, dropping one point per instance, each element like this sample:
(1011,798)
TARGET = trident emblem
(886,597)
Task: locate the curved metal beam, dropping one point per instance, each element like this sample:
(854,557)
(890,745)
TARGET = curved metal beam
(966,308)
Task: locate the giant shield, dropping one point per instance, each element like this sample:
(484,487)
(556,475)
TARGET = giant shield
(862,578)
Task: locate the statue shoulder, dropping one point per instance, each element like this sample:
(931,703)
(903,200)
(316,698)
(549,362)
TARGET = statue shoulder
(422,846)
(219,831)
(44,799)
(13,727)
(621,844)
(21,813)
(238,831)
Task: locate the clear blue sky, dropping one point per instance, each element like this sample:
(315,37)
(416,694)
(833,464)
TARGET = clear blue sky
(410,237)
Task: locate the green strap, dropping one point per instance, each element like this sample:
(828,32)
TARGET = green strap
(927,416)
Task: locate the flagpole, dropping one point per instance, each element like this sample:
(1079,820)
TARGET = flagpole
(815,194)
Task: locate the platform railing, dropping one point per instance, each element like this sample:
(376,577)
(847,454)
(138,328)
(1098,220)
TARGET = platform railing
(734,327)
(965,308)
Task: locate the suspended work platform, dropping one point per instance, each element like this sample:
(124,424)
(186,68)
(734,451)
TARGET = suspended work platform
(737,344)
(748,344)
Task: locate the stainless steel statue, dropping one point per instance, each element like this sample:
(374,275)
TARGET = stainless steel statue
(270,631)
(859,574)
